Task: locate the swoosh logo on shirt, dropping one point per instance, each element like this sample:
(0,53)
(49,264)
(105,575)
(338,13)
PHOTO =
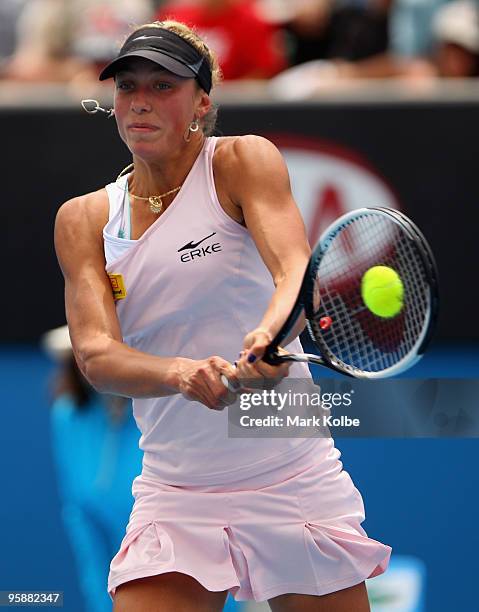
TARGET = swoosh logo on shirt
(193,245)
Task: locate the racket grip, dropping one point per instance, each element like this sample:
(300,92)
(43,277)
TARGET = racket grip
(272,357)
(232,385)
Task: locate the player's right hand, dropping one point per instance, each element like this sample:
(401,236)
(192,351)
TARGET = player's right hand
(200,381)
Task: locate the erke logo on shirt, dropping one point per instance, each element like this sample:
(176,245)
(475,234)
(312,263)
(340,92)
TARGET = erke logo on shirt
(193,252)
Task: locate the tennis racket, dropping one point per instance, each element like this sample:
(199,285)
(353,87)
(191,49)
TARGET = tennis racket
(349,338)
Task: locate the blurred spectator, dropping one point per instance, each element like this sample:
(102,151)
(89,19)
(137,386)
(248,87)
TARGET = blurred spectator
(247,46)
(454,49)
(411,27)
(10,11)
(456,29)
(96,455)
(329,29)
(455,54)
(59,40)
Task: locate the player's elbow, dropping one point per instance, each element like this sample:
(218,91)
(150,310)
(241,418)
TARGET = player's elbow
(94,376)
(92,360)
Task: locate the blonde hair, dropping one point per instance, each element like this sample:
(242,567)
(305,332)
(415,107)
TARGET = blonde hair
(208,122)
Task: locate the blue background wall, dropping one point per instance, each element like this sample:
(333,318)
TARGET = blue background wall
(421,496)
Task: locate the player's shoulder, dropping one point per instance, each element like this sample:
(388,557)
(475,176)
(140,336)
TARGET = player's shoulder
(244,145)
(251,151)
(89,208)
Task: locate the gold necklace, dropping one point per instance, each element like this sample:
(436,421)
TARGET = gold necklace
(156,201)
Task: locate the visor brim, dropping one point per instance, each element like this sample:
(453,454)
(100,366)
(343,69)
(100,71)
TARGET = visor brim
(163,60)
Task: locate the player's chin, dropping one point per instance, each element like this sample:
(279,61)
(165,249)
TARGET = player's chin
(145,147)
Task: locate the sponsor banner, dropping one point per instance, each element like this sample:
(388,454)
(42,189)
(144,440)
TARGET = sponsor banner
(394,408)
(328,180)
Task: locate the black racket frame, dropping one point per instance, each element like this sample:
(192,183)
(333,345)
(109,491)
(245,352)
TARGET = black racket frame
(304,301)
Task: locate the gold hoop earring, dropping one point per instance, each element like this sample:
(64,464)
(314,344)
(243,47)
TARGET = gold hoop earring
(193,127)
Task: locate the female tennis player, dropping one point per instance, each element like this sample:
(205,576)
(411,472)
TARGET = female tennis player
(195,252)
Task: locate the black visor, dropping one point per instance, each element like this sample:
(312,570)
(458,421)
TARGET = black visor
(168,50)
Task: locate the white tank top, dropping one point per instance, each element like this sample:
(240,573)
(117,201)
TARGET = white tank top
(196,285)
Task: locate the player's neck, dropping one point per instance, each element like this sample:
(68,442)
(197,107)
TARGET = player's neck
(159,176)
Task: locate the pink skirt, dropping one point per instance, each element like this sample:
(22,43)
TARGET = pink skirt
(293,530)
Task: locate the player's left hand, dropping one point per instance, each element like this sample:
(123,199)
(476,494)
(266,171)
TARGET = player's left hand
(250,366)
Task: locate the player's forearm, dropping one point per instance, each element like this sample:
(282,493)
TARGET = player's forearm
(282,302)
(114,367)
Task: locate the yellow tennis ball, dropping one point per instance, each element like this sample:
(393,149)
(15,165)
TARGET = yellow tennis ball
(382,291)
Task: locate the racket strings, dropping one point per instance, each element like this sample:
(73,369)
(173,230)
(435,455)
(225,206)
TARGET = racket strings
(357,338)
(415,285)
(347,338)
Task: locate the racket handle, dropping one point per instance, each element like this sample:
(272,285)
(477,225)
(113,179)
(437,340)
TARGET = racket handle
(232,385)
(299,357)
(272,357)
